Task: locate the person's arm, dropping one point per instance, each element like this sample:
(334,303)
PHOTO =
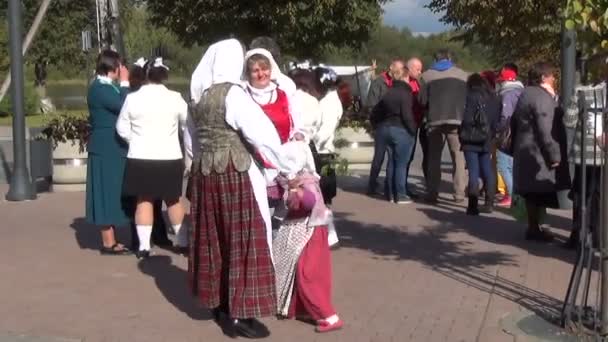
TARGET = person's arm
(112,98)
(544,113)
(407,112)
(188,132)
(331,110)
(246,116)
(123,124)
(373,96)
(423,99)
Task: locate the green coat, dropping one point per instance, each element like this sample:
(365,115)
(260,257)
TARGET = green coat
(107,156)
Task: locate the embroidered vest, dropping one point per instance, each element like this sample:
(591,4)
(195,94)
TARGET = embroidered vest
(219,143)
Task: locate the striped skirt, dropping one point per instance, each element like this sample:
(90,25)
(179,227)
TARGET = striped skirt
(230,265)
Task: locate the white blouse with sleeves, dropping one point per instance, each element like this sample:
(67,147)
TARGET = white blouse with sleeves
(310,113)
(331,108)
(150,121)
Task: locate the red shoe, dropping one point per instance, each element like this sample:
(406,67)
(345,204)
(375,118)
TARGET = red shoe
(324,326)
(505,202)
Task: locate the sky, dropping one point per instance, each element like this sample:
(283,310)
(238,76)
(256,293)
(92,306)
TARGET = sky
(412,14)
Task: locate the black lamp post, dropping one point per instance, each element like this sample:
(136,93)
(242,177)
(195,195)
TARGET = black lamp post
(21,187)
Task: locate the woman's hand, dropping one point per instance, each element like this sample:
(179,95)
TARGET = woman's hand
(554,165)
(123,73)
(298,136)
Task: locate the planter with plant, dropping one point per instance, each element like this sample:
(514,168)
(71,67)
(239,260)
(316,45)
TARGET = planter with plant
(68,134)
(354,142)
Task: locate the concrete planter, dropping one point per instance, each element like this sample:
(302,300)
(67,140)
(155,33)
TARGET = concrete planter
(69,167)
(359,147)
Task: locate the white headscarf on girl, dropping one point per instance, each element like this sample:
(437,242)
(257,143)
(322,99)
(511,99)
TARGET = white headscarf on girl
(282,81)
(217,66)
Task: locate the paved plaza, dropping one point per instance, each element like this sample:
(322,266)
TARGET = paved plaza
(404,273)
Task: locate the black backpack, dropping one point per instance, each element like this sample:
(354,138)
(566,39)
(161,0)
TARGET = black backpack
(476,132)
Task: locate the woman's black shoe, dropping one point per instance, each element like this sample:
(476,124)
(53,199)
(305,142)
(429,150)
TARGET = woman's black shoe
(248,328)
(472,208)
(116,249)
(142,255)
(538,234)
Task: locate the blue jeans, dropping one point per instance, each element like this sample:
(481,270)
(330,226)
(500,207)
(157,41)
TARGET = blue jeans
(399,143)
(504,165)
(479,164)
(380,149)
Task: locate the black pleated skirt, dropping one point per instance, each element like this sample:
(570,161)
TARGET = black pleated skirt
(154,179)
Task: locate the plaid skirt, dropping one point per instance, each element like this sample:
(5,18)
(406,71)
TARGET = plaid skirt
(230,267)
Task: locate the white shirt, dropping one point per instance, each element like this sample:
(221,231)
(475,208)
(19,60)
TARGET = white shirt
(150,120)
(310,113)
(331,108)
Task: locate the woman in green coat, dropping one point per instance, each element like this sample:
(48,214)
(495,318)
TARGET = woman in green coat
(105,206)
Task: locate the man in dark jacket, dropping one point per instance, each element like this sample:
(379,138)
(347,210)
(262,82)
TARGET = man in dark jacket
(395,127)
(377,90)
(443,93)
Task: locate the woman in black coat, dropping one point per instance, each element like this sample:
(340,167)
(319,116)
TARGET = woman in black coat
(482,110)
(540,165)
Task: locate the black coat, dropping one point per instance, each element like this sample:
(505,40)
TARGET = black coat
(396,108)
(539,140)
(493,106)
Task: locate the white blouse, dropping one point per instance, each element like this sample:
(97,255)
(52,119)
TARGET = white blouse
(310,112)
(331,108)
(150,121)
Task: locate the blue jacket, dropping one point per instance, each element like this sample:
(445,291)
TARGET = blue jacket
(104,102)
(509,94)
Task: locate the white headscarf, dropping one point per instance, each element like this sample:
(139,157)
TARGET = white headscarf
(283,81)
(222,62)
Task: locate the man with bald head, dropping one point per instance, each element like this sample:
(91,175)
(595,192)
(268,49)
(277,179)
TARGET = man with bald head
(414,65)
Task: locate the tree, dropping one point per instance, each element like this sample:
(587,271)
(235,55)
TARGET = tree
(302,28)
(590,19)
(516,30)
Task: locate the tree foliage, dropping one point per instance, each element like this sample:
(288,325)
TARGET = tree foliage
(590,19)
(302,28)
(516,30)
(387,43)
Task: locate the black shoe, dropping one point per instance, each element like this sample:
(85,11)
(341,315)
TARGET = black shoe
(472,208)
(248,328)
(116,249)
(414,196)
(539,234)
(142,255)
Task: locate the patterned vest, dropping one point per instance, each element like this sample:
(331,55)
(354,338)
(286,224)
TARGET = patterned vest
(219,143)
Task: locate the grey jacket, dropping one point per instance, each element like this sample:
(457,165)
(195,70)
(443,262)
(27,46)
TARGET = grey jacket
(443,94)
(539,140)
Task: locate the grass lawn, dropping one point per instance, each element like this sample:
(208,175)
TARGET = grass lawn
(36,120)
(30,121)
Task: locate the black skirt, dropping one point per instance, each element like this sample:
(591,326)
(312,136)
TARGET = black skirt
(154,179)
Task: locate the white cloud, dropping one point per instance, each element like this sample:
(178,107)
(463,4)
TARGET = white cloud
(412,14)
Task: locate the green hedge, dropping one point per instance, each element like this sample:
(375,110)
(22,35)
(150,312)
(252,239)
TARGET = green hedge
(32,102)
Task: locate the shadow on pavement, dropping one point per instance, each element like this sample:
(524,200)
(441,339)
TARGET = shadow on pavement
(545,306)
(495,230)
(430,247)
(88,236)
(172,282)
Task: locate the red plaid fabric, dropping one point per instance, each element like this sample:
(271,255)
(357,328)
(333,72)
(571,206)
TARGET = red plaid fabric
(230,264)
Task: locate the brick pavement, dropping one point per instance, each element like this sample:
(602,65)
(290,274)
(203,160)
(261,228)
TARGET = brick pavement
(404,273)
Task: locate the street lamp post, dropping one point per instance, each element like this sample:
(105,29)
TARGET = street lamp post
(21,187)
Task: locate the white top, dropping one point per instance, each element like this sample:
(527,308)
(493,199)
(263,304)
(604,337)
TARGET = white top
(310,113)
(331,108)
(150,120)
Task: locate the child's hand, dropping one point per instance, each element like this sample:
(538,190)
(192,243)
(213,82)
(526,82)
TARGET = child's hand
(294,199)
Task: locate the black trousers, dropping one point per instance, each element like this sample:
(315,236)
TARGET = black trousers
(325,168)
(159,228)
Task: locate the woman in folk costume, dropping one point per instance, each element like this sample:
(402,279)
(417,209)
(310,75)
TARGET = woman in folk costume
(230,266)
(301,251)
(150,121)
(107,151)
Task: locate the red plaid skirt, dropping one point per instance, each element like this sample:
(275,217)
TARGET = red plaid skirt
(230,265)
